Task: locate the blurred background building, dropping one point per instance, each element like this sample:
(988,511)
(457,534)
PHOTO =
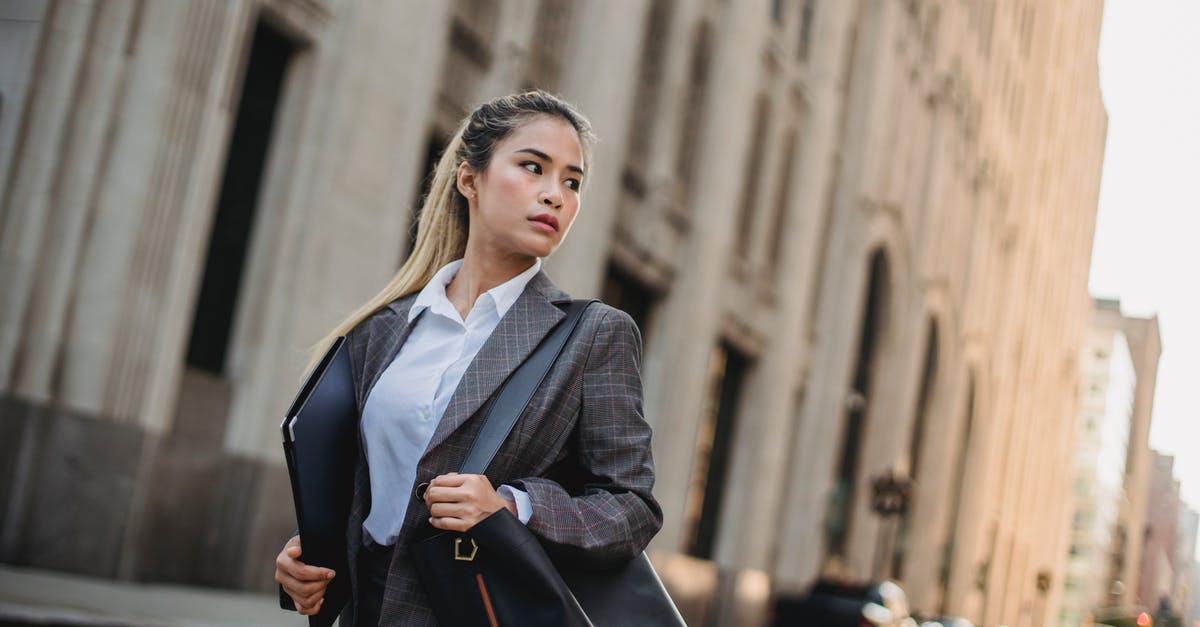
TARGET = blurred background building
(855,234)
(1111,480)
(1168,559)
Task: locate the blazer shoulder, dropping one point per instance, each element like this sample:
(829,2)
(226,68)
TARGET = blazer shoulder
(601,312)
(604,319)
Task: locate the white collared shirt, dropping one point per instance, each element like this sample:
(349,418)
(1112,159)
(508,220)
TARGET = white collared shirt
(404,407)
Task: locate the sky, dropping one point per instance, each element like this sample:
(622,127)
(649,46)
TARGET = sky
(1147,246)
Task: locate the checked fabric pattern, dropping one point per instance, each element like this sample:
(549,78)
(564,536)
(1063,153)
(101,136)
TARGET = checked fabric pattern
(581,450)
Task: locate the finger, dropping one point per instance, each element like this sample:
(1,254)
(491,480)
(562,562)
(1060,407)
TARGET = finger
(452,479)
(450,510)
(304,572)
(301,590)
(308,589)
(450,524)
(444,494)
(312,611)
(300,570)
(313,599)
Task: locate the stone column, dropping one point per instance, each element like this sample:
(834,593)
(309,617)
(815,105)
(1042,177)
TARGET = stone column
(21,26)
(604,50)
(28,201)
(688,324)
(68,204)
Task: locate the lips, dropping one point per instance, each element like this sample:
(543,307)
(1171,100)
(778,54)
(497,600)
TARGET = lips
(546,219)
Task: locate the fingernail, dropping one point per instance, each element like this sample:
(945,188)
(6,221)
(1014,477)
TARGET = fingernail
(330,575)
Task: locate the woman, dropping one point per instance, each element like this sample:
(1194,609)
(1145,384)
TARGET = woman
(437,342)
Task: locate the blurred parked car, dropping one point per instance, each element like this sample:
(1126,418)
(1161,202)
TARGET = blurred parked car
(840,604)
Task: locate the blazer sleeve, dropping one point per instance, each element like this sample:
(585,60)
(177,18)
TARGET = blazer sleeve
(615,515)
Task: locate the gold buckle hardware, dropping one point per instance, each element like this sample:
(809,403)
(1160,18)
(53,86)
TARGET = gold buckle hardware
(458,555)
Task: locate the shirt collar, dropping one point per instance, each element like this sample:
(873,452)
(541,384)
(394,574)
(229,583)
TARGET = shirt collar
(433,295)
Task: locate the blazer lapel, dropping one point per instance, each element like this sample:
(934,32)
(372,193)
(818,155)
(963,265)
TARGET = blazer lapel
(530,318)
(382,341)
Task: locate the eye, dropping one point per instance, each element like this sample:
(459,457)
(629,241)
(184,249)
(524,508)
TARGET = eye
(573,184)
(532,166)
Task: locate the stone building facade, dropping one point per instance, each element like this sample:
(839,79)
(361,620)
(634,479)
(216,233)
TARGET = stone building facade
(855,234)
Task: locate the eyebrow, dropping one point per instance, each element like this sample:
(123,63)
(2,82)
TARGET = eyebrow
(545,157)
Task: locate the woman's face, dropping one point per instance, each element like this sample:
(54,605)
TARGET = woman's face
(524,202)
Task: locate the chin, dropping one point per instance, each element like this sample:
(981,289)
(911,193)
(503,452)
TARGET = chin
(542,251)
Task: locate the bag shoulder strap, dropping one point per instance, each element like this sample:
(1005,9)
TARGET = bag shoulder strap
(518,390)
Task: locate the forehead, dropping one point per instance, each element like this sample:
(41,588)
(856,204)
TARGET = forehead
(551,135)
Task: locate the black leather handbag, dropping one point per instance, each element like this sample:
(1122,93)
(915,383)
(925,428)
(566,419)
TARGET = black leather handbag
(498,574)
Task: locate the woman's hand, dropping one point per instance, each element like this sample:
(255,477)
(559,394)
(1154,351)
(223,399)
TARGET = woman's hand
(305,584)
(457,502)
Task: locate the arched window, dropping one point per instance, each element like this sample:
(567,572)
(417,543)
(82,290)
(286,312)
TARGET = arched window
(839,516)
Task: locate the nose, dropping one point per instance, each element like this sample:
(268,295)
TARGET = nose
(551,199)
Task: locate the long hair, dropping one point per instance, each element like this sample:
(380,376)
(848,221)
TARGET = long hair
(443,222)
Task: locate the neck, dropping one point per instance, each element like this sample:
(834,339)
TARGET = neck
(478,275)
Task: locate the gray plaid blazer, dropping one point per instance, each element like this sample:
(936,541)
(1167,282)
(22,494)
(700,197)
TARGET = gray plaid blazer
(581,450)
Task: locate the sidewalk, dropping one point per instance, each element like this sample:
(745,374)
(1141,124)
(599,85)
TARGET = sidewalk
(46,598)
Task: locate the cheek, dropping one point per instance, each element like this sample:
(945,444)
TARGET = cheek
(568,216)
(509,188)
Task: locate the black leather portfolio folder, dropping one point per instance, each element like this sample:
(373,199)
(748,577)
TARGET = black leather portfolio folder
(320,441)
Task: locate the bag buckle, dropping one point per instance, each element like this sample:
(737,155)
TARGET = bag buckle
(458,554)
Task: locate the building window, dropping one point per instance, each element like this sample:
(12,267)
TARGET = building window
(547,49)
(237,204)
(650,77)
(804,41)
(777,12)
(694,105)
(434,147)
(714,445)
(780,204)
(839,515)
(623,291)
(472,30)
(751,176)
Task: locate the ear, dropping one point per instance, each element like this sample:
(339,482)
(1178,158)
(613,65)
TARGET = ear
(465,179)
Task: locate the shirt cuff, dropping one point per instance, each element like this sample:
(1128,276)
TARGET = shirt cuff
(521,498)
